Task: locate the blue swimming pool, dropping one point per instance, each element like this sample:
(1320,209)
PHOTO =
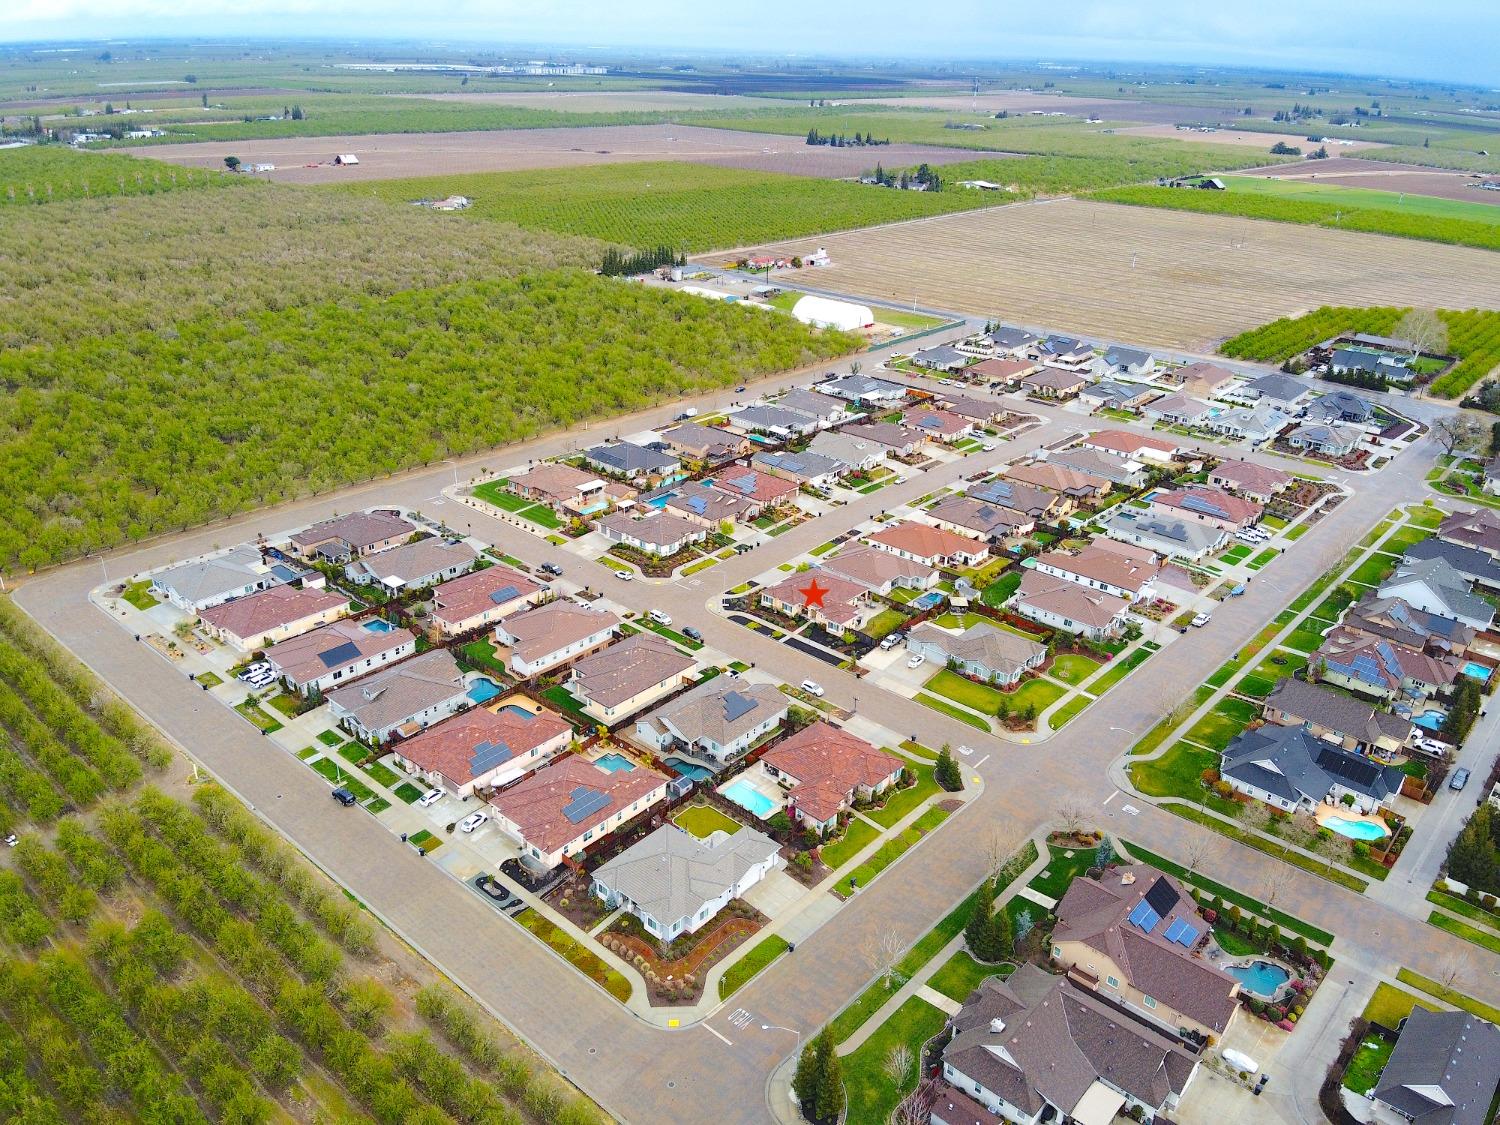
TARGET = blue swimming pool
(660,501)
(376,625)
(689,769)
(514,709)
(482,690)
(1432,720)
(594,509)
(749,798)
(1478,671)
(614,763)
(1355,829)
(1260,978)
(928,600)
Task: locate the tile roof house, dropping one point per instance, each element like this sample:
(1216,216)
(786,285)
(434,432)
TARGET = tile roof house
(633,462)
(616,682)
(1006,372)
(413,566)
(863,388)
(1170,536)
(483,748)
(1398,621)
(1341,406)
(402,698)
(1211,506)
(482,597)
(1063,604)
(1136,931)
(546,636)
(992,654)
(1135,447)
(1108,394)
(205,583)
(850,451)
(1204,380)
(331,654)
(565,488)
(674,882)
(1027,499)
(827,409)
(1291,768)
(1039,1048)
(811,469)
(704,443)
(571,803)
(826,769)
(1285,391)
(760,490)
(930,545)
(1053,382)
(352,536)
(1127,574)
(1256,424)
(1479,529)
(659,534)
(879,571)
(943,425)
(978,410)
(1178,410)
(969,517)
(1333,715)
(272,615)
(1443,1070)
(1435,586)
(1125,472)
(1470,562)
(775,420)
(1246,478)
(843,605)
(1056,477)
(901,441)
(1329,439)
(701,503)
(718,721)
(1372,665)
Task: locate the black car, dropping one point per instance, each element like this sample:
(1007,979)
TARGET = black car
(551,568)
(344,797)
(1459,780)
(691,633)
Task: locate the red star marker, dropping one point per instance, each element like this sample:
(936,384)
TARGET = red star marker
(813,594)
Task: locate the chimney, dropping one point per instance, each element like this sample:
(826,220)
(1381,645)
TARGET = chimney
(997,1026)
(1127,878)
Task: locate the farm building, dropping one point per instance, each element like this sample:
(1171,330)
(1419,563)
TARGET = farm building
(822,312)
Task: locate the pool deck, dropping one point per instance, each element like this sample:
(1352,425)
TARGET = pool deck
(762,783)
(1326,811)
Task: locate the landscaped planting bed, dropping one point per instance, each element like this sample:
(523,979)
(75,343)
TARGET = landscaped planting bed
(761,954)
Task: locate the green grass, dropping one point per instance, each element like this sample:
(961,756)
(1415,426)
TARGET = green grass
(690,207)
(1467,909)
(1039,694)
(761,954)
(1304,639)
(1217,729)
(563,700)
(1448,995)
(208,679)
(330,737)
(1405,539)
(481,654)
(885,855)
(354,752)
(873,1096)
(1170,722)
(581,958)
(1332,872)
(1178,773)
(857,836)
(407,792)
(1002,588)
(978,697)
(1118,669)
(308,752)
(383,775)
(425,840)
(1372,571)
(1370,1057)
(496,493)
(139,594)
(55,173)
(1235,554)
(1483,938)
(1061,870)
(348,778)
(905,800)
(1068,711)
(258,718)
(1072,668)
(952,712)
(885,622)
(377,806)
(961,975)
(1390,1005)
(1263,558)
(703,821)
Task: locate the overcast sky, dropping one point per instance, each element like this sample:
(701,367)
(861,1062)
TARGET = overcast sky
(1452,40)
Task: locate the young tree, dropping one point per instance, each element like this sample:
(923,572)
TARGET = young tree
(1024,925)
(946,772)
(1070,815)
(1104,854)
(882,953)
(898,1062)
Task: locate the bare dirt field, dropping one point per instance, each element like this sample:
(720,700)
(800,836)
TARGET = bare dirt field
(609,101)
(1240,139)
(394,156)
(1018,101)
(1141,275)
(1344,172)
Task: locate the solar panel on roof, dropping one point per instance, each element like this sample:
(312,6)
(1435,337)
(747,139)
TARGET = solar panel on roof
(504,594)
(1162,897)
(1173,930)
(746,482)
(698,504)
(1187,937)
(1144,917)
(585,803)
(487,755)
(736,705)
(339,654)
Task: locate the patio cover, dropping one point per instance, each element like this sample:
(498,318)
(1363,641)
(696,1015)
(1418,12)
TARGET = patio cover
(1098,1105)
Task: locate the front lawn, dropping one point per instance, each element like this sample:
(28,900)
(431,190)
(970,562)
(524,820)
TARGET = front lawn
(854,838)
(208,679)
(330,737)
(407,792)
(1178,773)
(139,595)
(1390,1005)
(903,801)
(977,697)
(383,775)
(1072,668)
(1061,870)
(1217,729)
(1119,669)
(1469,933)
(703,821)
(873,1095)
(347,778)
(1370,1057)
(1037,694)
(1449,995)
(1372,571)
(961,975)
(952,712)
(761,954)
(258,718)
(1068,711)
(582,958)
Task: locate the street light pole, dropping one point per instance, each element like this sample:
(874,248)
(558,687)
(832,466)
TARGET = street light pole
(778,1027)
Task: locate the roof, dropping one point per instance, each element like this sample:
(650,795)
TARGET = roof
(209,579)
(1118,393)
(623,671)
(315,654)
(1056,477)
(841,601)
(809,402)
(1341,406)
(1247,475)
(1174,534)
(570,796)
(942,354)
(1443,1070)
(1362,359)
(1006,370)
(803,466)
(923,541)
(886,433)
(657,529)
(721,710)
(712,439)
(762,417)
(1289,762)
(1105,914)
(846,448)
(705,502)
(1050,378)
(358,529)
(1121,356)
(1278,388)
(1451,587)
(1207,376)
(752,484)
(1470,562)
(270,609)
(393,695)
(413,561)
(474,743)
(1262,418)
(975,409)
(1479,528)
(872,568)
(1008,337)
(1179,406)
(1016,495)
(546,628)
(1105,565)
(1334,710)
(997,649)
(625,457)
(978,516)
(1065,345)
(1382,664)
(556,480)
(936,421)
(672,874)
(471,594)
(1324,434)
(1050,594)
(1095,463)
(829,763)
(1214,502)
(1398,620)
(861,386)
(1126,443)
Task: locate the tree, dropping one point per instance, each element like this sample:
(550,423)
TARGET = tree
(1070,815)
(946,771)
(1104,854)
(1425,330)
(1456,432)
(882,953)
(1471,857)
(977,929)
(1277,881)
(232,163)
(809,1076)
(1024,925)
(1494,449)
(898,1062)
(829,1103)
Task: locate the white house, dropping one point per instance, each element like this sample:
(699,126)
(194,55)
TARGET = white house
(204,583)
(548,636)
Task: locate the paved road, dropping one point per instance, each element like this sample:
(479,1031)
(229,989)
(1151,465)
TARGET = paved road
(640,1073)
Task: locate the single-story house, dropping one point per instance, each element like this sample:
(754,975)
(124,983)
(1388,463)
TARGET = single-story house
(1333,715)
(826,769)
(853,452)
(1179,410)
(980,411)
(700,503)
(556,633)
(413,566)
(969,517)
(1292,769)
(632,462)
(1329,440)
(1121,471)
(1385,669)
(1341,406)
(879,571)
(705,443)
(1005,372)
(1108,394)
(811,469)
(353,536)
(930,545)
(1246,478)
(567,489)
(272,615)
(1256,424)
(403,698)
(720,720)
(1287,392)
(1204,380)
(1055,477)
(1212,506)
(659,534)
(1066,352)
(1120,360)
(1479,529)
(1398,621)
(777,421)
(1435,586)
(324,658)
(943,357)
(674,882)
(842,605)
(1470,562)
(941,425)
(761,491)
(1027,499)
(482,597)
(864,389)
(992,654)
(827,409)
(1060,603)
(571,803)
(205,583)
(1007,340)
(1362,361)
(1169,536)
(616,682)
(1135,447)
(899,441)
(1444,1069)
(483,748)
(1053,382)
(1123,571)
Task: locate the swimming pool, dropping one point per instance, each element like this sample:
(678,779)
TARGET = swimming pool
(1478,671)
(660,501)
(1432,720)
(1260,978)
(483,689)
(928,600)
(614,763)
(516,709)
(1355,829)
(689,769)
(749,798)
(376,625)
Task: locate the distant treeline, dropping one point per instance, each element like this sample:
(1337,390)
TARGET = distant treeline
(642,261)
(838,140)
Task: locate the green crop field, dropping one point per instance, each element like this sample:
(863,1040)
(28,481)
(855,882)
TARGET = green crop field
(51,173)
(689,207)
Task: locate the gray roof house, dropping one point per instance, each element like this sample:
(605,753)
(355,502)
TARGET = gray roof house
(1166,535)
(855,452)
(1285,391)
(1434,585)
(1329,439)
(414,565)
(1178,409)
(995,655)
(1120,360)
(1291,768)
(776,420)
(1013,340)
(674,882)
(1354,723)
(1471,562)
(1255,424)
(719,720)
(659,534)
(943,357)
(1396,620)
(863,388)
(1443,1070)
(1110,395)
(825,408)
(629,460)
(1366,362)
(1066,350)
(1116,470)
(192,586)
(413,694)
(803,468)
(1341,406)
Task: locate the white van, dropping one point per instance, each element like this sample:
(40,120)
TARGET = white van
(660,618)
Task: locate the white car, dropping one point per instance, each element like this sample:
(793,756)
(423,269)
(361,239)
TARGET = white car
(625,575)
(987,446)
(1434,747)
(429,798)
(472,821)
(256,671)
(1200,620)
(916,660)
(813,688)
(660,618)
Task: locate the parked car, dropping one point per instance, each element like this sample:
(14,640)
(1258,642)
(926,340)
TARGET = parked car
(1459,779)
(551,568)
(429,798)
(1200,620)
(916,660)
(691,633)
(1432,746)
(256,671)
(472,821)
(690,412)
(813,688)
(987,446)
(890,641)
(739,390)
(344,797)
(625,575)
(659,617)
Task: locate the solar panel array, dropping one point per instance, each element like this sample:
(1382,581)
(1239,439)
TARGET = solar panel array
(487,755)
(1144,917)
(745,483)
(1196,503)
(1182,933)
(1162,897)
(504,594)
(585,803)
(736,705)
(698,504)
(339,654)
